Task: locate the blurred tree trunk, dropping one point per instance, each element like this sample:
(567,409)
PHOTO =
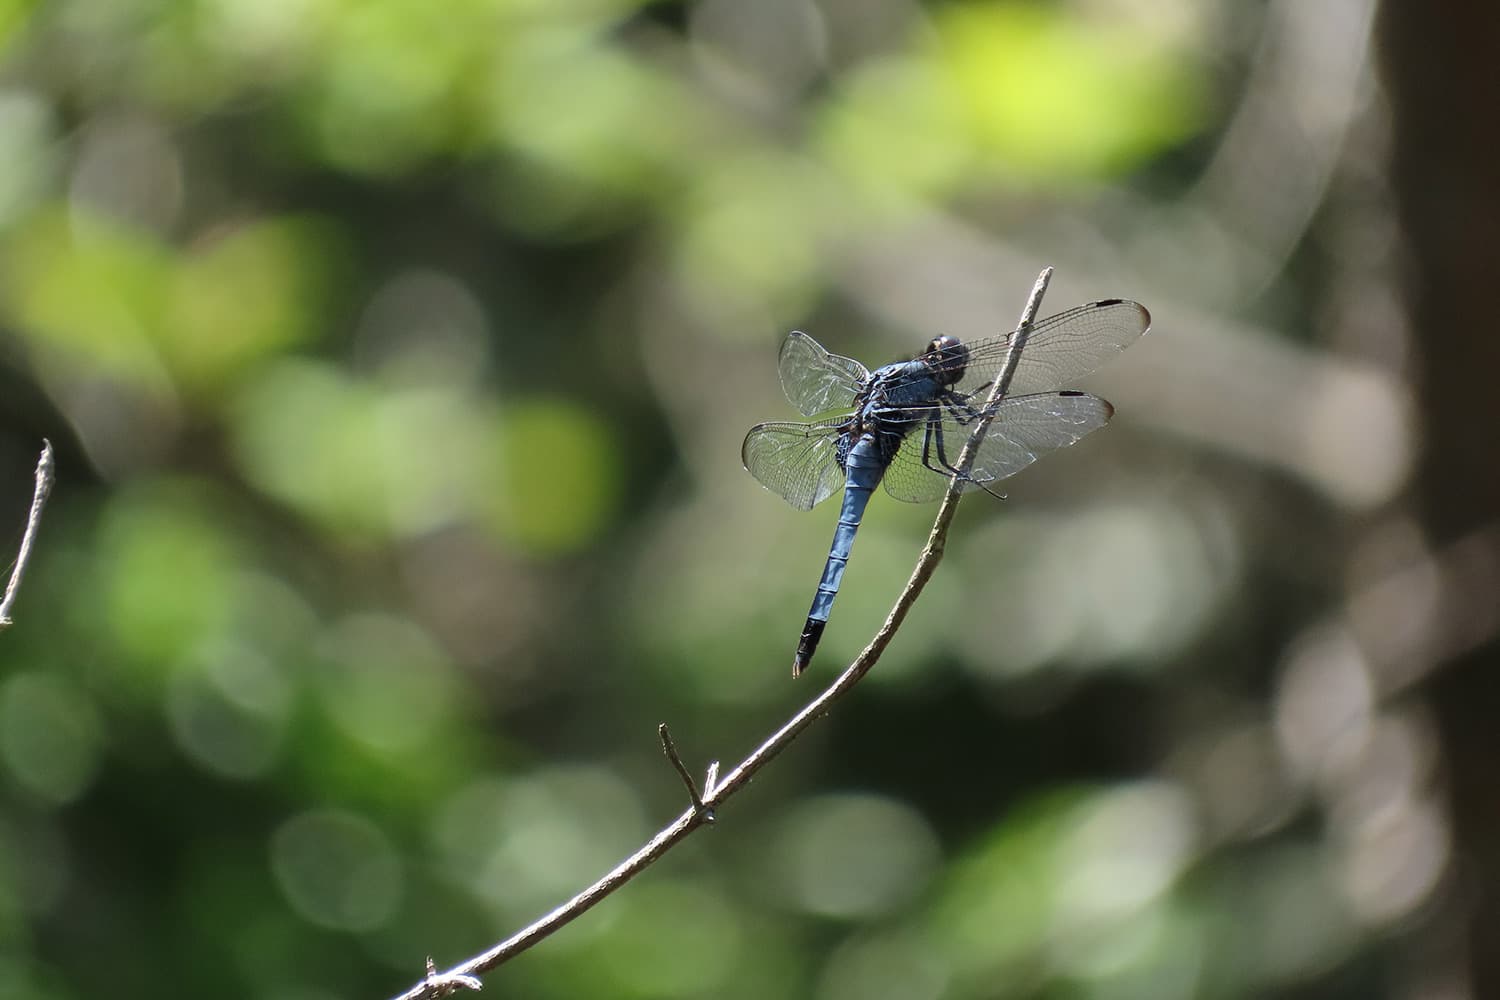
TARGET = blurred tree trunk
(1441,65)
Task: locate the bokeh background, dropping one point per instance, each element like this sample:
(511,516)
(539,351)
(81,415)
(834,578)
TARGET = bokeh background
(397,356)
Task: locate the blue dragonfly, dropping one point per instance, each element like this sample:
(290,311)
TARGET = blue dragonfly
(905,423)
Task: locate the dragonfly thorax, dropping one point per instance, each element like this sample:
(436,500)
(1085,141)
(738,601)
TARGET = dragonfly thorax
(947,358)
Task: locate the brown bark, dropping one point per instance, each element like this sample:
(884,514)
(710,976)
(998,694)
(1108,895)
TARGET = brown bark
(1441,66)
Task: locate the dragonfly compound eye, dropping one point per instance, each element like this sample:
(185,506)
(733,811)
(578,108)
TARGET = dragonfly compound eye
(947,357)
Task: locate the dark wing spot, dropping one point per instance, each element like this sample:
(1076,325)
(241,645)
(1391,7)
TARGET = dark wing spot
(1109,302)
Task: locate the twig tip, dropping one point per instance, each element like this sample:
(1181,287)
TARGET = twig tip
(670,749)
(44,477)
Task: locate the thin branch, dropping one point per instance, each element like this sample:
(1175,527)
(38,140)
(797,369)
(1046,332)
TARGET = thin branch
(717,790)
(45,474)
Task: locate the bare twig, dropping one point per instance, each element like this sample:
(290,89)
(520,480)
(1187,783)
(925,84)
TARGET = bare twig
(670,749)
(717,790)
(44,478)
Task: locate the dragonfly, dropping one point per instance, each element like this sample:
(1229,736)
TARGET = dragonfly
(905,424)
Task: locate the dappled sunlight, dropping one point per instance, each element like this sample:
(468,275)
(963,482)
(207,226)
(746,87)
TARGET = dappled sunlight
(569,504)
(884,966)
(384,683)
(130,170)
(1099,585)
(156,618)
(231,717)
(424,327)
(519,841)
(1373,771)
(28,135)
(1346,428)
(1081,885)
(1325,705)
(381,462)
(337,869)
(849,856)
(702,951)
(1239,782)
(51,742)
(1124,853)
(1050,95)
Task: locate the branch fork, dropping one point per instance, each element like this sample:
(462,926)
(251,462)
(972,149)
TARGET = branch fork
(700,802)
(441,984)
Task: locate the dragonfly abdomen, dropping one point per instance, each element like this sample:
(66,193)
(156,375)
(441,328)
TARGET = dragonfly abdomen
(864,466)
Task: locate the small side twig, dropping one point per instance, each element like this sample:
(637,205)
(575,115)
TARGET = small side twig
(45,474)
(715,790)
(670,749)
(441,984)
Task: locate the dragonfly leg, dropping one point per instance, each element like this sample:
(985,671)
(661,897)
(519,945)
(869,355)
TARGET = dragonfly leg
(932,432)
(958,405)
(933,435)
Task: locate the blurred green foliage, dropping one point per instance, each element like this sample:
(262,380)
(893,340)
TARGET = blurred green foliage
(397,354)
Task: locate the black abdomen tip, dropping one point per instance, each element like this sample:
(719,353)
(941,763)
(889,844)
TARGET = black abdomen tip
(807,645)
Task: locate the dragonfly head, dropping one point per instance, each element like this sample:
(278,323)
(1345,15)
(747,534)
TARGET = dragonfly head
(946,357)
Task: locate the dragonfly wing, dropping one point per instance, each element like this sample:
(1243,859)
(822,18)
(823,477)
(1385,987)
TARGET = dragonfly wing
(1024,429)
(797,462)
(1059,350)
(815,380)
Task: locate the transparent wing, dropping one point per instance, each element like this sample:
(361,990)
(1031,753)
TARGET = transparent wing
(815,380)
(797,462)
(1060,349)
(1024,429)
